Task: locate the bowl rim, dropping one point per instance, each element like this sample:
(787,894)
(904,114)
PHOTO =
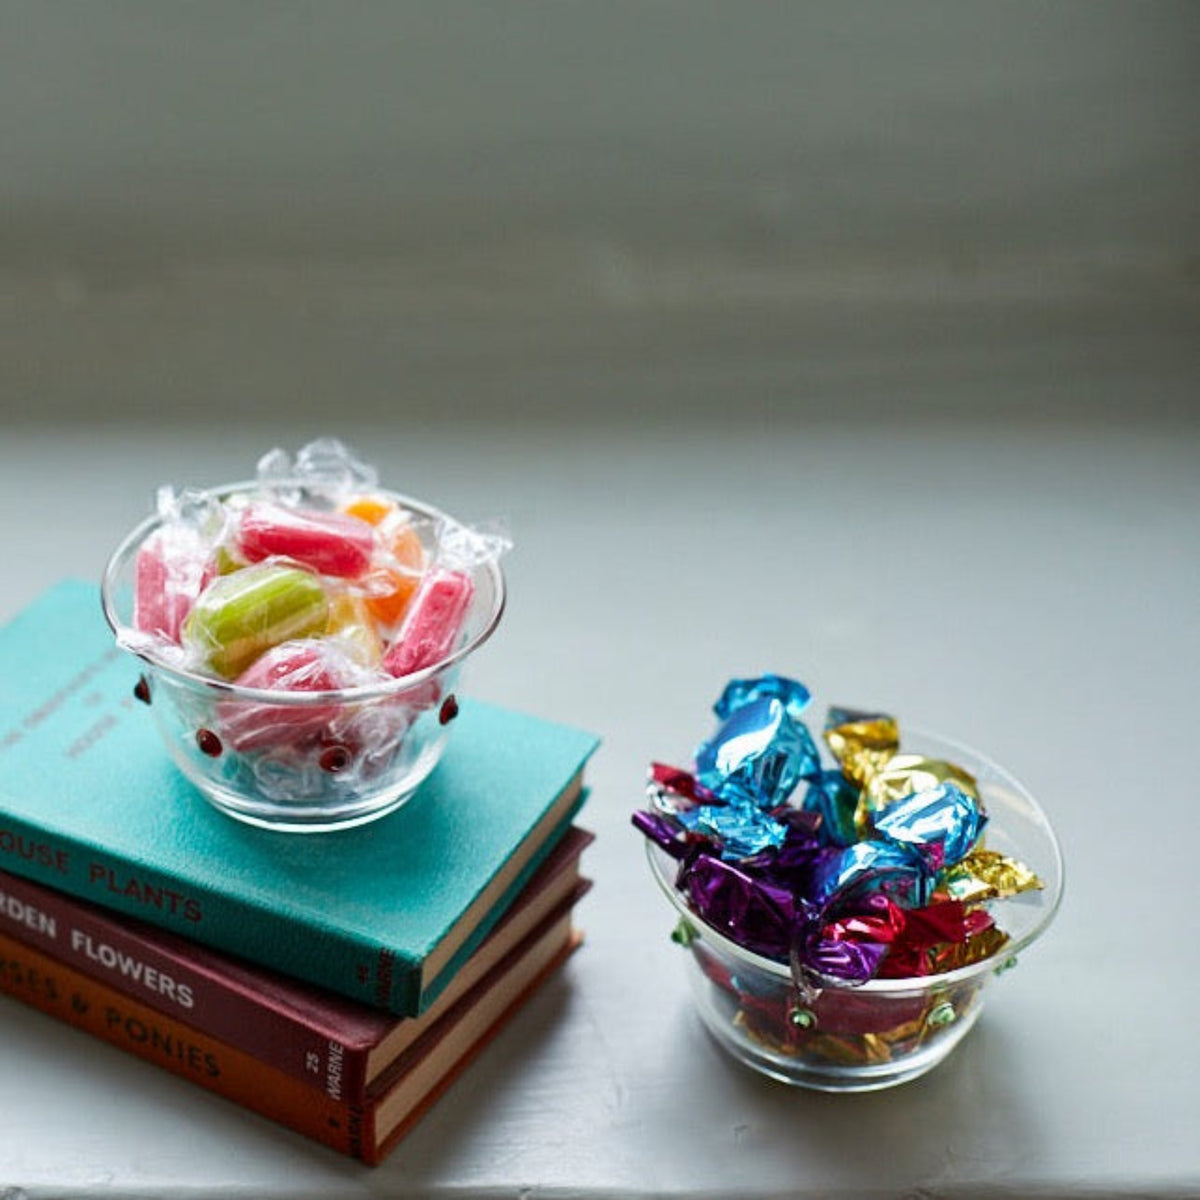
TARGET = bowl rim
(657,857)
(228,690)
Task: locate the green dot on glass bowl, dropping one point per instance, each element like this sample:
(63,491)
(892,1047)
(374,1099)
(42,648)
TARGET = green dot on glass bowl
(940,1014)
(684,934)
(802,1018)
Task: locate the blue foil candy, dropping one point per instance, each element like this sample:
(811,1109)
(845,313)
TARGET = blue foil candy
(742,829)
(942,824)
(833,798)
(758,755)
(794,695)
(877,867)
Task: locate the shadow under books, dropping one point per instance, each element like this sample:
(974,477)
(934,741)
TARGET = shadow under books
(489,1085)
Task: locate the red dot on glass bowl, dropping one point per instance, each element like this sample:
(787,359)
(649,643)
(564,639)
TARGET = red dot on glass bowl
(448,711)
(335,759)
(141,689)
(209,743)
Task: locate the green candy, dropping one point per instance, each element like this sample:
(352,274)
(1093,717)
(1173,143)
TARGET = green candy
(225,562)
(239,616)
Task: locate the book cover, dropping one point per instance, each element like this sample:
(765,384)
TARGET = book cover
(367,1131)
(385,913)
(327,1040)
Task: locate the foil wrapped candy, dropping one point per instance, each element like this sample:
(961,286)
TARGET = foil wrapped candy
(762,748)
(878,871)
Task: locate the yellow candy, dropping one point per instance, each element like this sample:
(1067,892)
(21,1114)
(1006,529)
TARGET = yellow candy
(350,622)
(225,562)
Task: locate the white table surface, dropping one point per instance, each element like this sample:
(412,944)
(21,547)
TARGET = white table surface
(1025,586)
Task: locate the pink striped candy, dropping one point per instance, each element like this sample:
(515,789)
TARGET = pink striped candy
(328,543)
(169,573)
(299,666)
(433,622)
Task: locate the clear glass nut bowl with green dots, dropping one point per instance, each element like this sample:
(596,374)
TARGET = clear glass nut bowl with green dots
(821,1032)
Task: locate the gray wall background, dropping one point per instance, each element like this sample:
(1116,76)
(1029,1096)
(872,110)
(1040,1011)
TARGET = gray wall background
(569,212)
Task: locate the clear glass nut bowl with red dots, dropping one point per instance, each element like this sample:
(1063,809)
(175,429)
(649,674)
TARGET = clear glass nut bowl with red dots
(826,1034)
(293,698)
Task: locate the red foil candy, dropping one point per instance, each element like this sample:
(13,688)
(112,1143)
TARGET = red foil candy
(844,1011)
(884,922)
(916,938)
(681,782)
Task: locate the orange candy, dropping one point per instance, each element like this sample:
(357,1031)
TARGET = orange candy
(395,585)
(390,587)
(372,509)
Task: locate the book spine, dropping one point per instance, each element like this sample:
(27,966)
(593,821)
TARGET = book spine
(150,968)
(373,974)
(57,990)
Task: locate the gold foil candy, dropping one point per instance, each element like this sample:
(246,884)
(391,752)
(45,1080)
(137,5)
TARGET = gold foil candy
(904,775)
(850,1049)
(787,1039)
(909,1031)
(949,956)
(987,875)
(861,742)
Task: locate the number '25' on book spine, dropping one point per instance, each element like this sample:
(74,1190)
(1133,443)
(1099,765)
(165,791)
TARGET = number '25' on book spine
(328,1041)
(366,1131)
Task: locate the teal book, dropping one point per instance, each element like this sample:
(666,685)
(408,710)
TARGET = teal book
(91,804)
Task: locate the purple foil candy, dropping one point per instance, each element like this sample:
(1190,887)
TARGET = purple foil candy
(854,962)
(755,914)
(794,695)
(801,840)
(942,824)
(790,862)
(833,798)
(662,832)
(757,756)
(870,868)
(742,829)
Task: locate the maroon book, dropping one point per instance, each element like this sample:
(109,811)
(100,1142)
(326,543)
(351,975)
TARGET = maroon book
(338,1045)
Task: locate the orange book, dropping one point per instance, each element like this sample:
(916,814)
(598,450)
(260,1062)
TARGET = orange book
(366,1131)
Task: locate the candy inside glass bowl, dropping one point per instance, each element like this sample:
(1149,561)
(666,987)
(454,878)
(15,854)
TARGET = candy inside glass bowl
(821,1032)
(303,695)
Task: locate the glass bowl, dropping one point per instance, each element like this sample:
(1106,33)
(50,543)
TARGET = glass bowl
(819,1032)
(363,750)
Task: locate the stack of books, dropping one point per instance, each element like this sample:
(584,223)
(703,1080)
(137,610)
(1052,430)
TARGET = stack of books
(336,983)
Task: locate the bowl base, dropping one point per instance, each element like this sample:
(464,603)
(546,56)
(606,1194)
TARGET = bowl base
(307,821)
(307,816)
(823,1076)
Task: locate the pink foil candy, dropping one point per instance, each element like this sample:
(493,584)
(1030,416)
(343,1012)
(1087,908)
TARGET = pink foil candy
(329,543)
(432,624)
